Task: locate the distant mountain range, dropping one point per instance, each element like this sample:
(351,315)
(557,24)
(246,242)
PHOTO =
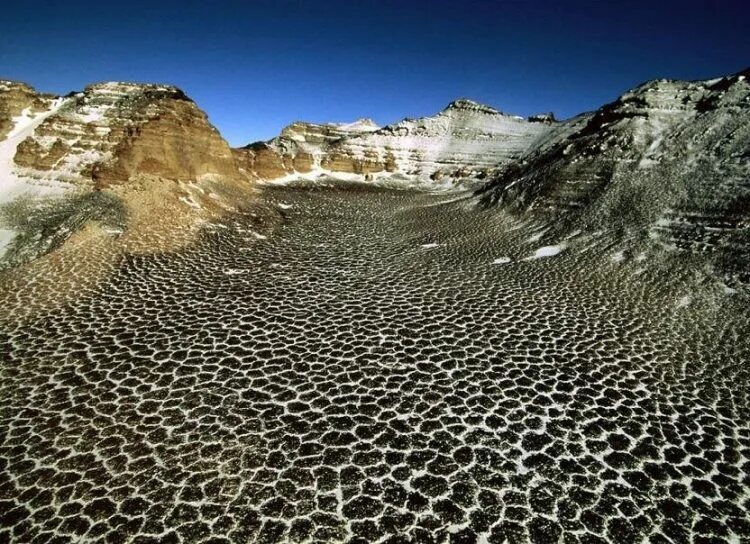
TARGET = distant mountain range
(465,141)
(669,160)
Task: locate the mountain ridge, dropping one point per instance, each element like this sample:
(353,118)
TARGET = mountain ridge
(667,163)
(632,164)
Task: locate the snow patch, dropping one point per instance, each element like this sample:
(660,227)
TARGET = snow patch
(360,125)
(13,185)
(6,237)
(431,245)
(190,202)
(502,260)
(728,290)
(547,251)
(535,237)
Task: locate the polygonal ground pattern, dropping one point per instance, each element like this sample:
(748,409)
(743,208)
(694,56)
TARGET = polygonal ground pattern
(367,374)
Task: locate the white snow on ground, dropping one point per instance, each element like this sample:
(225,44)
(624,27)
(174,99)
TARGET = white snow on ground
(728,290)
(360,125)
(461,141)
(381,179)
(6,237)
(464,134)
(430,245)
(12,185)
(537,235)
(547,251)
(501,260)
(234,272)
(618,257)
(190,202)
(93,114)
(683,302)
(284,206)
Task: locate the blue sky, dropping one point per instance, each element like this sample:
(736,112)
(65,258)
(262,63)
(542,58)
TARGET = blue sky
(255,66)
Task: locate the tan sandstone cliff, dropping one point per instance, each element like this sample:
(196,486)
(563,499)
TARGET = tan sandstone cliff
(119,167)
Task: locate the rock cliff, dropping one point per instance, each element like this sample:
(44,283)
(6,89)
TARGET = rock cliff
(466,140)
(147,146)
(113,131)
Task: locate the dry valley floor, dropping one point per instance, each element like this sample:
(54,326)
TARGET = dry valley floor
(385,366)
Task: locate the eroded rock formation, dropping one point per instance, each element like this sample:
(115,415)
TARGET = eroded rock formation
(466,140)
(148,146)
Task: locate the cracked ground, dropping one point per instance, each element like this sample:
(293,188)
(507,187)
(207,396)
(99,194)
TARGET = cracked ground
(382,367)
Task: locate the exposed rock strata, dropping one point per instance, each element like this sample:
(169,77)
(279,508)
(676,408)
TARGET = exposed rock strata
(15,98)
(149,146)
(113,131)
(465,140)
(669,159)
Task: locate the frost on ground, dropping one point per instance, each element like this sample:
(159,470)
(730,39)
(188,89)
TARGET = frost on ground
(415,395)
(41,225)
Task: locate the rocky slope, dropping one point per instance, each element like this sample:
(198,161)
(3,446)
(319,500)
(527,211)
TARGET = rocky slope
(300,148)
(112,131)
(669,161)
(465,140)
(17,98)
(147,147)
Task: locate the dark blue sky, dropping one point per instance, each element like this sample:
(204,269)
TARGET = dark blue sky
(256,66)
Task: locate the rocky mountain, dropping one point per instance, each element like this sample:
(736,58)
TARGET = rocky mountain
(668,161)
(17,98)
(300,148)
(112,131)
(465,140)
(147,147)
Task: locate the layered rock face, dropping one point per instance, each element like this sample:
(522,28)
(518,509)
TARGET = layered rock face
(669,159)
(148,147)
(112,131)
(300,148)
(465,140)
(18,100)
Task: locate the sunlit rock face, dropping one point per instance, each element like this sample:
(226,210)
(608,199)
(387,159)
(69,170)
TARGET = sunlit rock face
(300,148)
(149,147)
(465,140)
(112,131)
(15,98)
(669,160)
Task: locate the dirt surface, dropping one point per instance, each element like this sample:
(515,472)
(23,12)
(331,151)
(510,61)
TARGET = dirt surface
(381,366)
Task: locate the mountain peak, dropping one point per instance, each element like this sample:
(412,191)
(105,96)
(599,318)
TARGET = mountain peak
(126,88)
(363,124)
(466,104)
